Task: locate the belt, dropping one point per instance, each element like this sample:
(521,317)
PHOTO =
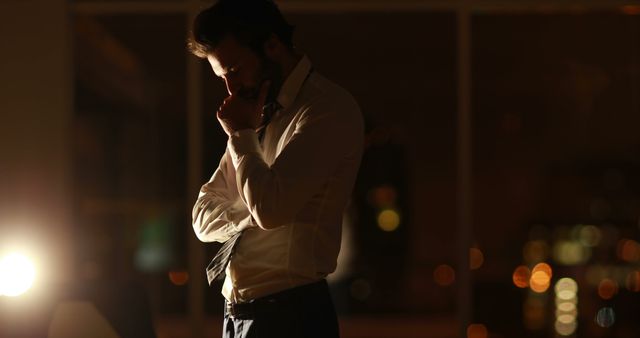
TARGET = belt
(289,299)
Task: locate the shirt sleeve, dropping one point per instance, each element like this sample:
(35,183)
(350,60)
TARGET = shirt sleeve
(219,212)
(326,134)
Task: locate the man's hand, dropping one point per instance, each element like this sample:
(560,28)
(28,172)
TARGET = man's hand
(237,113)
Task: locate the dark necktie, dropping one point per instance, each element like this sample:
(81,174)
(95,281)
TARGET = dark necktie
(215,269)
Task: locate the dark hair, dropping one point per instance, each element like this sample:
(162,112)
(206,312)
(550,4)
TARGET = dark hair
(250,21)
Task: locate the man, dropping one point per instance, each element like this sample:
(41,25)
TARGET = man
(278,194)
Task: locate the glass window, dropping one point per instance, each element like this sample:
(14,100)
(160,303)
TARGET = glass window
(130,152)
(556,172)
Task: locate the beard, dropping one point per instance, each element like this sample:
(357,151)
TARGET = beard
(269,71)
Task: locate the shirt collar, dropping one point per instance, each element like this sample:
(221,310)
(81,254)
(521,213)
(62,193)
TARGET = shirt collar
(291,86)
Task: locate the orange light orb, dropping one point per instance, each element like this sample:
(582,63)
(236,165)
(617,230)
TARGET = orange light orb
(521,276)
(477,331)
(633,281)
(179,278)
(476,258)
(540,277)
(607,288)
(444,275)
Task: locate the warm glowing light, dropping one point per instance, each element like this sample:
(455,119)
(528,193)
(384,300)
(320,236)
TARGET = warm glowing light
(389,220)
(383,196)
(521,276)
(539,281)
(477,331)
(590,235)
(535,252)
(476,258)
(567,307)
(628,250)
(607,288)
(566,311)
(566,318)
(179,277)
(631,10)
(566,288)
(633,281)
(543,267)
(570,253)
(605,317)
(566,329)
(540,277)
(17,274)
(444,275)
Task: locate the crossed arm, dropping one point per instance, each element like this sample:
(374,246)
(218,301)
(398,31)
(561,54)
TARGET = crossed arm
(246,192)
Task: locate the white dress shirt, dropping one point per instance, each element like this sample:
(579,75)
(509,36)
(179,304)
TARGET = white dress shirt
(287,194)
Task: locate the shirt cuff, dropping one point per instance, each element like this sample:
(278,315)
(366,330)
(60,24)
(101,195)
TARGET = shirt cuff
(241,143)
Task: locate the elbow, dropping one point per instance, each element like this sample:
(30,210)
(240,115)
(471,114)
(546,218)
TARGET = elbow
(200,234)
(204,232)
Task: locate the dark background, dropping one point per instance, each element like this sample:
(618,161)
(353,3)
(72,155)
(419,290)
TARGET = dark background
(555,106)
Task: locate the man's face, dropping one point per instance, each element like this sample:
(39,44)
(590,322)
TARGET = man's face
(243,71)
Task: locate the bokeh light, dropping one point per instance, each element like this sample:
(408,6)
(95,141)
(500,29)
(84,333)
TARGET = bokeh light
(631,10)
(605,317)
(383,196)
(179,277)
(521,276)
(633,281)
(589,235)
(607,288)
(570,253)
(540,277)
(567,306)
(17,274)
(388,220)
(566,290)
(444,275)
(477,331)
(476,258)
(566,329)
(628,250)
(566,318)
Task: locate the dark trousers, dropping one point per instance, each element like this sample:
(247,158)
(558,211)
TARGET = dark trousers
(302,312)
